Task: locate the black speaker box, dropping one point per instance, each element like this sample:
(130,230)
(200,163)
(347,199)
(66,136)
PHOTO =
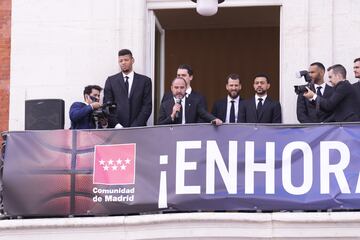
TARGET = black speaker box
(44,114)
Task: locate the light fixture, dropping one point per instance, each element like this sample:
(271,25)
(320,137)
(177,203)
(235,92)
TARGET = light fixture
(207,7)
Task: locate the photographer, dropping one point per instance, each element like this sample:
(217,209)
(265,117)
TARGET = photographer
(342,102)
(305,109)
(81,113)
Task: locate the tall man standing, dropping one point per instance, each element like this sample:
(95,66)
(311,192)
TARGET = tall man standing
(227,109)
(260,109)
(131,92)
(306,110)
(342,102)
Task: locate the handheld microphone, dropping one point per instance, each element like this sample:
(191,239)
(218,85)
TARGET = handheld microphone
(178,101)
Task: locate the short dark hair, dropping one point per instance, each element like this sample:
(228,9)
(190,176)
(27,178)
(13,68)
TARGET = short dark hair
(319,65)
(178,78)
(338,69)
(187,67)
(88,89)
(233,76)
(124,52)
(357,60)
(264,76)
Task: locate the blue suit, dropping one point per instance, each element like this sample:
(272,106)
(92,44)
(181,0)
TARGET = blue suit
(81,116)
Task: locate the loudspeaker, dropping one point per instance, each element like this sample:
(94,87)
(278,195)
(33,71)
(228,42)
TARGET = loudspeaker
(44,114)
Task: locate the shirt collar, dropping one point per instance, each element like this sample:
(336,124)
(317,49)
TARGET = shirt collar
(130,75)
(188,91)
(321,85)
(263,97)
(229,99)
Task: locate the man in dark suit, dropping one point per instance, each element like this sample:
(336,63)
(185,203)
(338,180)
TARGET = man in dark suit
(81,113)
(357,84)
(342,102)
(185,71)
(227,109)
(305,109)
(182,110)
(260,109)
(131,92)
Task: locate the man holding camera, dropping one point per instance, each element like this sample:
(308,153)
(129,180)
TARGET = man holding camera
(343,101)
(306,110)
(81,113)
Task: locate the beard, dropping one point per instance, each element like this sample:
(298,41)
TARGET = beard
(233,94)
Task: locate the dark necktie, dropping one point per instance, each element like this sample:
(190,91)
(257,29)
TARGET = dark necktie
(180,112)
(232,112)
(259,107)
(127,85)
(318,92)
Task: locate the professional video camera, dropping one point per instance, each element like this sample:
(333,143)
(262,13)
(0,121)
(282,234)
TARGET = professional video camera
(105,110)
(300,89)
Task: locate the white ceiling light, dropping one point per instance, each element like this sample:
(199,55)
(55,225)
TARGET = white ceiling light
(207,7)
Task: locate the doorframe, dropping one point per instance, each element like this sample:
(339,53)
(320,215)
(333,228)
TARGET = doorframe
(153,5)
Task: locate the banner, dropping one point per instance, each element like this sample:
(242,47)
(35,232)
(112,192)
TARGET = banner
(182,168)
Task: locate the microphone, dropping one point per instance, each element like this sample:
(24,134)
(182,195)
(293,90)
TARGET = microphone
(178,101)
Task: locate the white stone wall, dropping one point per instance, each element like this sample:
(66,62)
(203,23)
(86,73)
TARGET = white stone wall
(58,47)
(211,226)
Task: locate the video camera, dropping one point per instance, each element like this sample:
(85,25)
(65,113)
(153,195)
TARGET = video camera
(105,110)
(300,89)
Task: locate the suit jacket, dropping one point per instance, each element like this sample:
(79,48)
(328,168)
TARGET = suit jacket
(343,103)
(81,116)
(131,111)
(220,108)
(270,113)
(357,91)
(306,110)
(193,112)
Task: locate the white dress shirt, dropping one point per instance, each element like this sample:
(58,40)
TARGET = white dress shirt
(228,107)
(130,80)
(183,120)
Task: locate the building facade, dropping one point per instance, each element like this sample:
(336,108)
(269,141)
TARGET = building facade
(58,47)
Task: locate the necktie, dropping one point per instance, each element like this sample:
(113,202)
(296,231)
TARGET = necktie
(259,107)
(180,113)
(318,92)
(232,112)
(127,85)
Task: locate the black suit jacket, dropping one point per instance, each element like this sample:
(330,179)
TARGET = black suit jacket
(343,103)
(131,111)
(193,112)
(357,91)
(271,111)
(306,110)
(220,107)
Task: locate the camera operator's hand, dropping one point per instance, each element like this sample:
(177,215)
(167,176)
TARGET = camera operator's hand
(95,105)
(310,94)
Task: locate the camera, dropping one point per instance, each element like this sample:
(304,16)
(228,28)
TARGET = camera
(300,89)
(105,110)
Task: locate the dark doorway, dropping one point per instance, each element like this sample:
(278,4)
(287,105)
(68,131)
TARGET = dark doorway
(243,40)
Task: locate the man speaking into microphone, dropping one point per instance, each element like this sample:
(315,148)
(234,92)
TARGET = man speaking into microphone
(182,110)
